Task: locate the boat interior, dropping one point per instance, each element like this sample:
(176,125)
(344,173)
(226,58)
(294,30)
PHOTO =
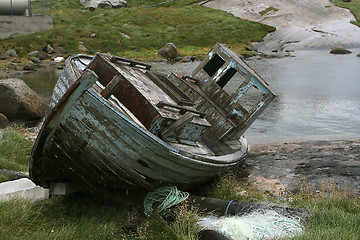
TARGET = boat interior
(204,111)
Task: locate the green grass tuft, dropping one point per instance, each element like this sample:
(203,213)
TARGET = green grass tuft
(269,9)
(15,150)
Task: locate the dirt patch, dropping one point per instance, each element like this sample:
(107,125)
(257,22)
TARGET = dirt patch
(276,167)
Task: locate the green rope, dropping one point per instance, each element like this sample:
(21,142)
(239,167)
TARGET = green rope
(163,198)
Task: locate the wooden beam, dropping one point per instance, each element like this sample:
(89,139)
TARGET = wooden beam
(170,89)
(178,124)
(111,87)
(182,109)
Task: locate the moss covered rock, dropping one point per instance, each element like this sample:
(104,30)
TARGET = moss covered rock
(339,50)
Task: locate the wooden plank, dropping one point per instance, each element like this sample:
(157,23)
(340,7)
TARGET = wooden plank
(178,124)
(168,87)
(181,108)
(132,63)
(111,87)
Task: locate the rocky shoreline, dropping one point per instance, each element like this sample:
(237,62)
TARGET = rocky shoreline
(278,168)
(300,25)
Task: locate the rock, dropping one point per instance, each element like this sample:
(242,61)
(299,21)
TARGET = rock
(93,4)
(49,49)
(251,48)
(169,51)
(59,50)
(35,60)
(16,60)
(4,122)
(124,35)
(340,50)
(4,56)
(92,35)
(82,48)
(43,55)
(346,0)
(188,59)
(33,53)
(58,59)
(358,55)
(246,55)
(11,53)
(272,55)
(19,102)
(29,67)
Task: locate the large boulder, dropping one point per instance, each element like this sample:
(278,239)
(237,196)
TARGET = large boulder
(93,4)
(169,51)
(19,102)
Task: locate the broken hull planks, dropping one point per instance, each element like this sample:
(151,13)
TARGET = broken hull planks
(88,141)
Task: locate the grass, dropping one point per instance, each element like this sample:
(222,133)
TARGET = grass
(78,217)
(14,150)
(269,9)
(193,29)
(353,6)
(333,213)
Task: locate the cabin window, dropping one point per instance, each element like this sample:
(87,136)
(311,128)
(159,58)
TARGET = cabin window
(213,65)
(251,98)
(226,77)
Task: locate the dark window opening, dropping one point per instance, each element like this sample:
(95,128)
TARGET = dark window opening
(213,65)
(226,77)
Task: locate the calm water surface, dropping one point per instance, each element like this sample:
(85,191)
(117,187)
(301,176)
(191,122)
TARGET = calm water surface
(318,95)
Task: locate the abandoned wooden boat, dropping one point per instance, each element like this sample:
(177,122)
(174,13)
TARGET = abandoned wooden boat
(116,124)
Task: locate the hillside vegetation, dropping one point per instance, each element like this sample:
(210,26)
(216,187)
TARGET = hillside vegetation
(138,31)
(353,6)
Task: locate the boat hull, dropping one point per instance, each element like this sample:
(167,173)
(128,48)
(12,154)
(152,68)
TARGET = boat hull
(87,141)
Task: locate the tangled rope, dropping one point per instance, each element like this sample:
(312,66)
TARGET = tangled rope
(163,198)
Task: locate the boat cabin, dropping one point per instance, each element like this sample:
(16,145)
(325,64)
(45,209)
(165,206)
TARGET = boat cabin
(180,108)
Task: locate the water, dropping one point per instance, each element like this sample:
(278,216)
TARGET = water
(318,98)
(318,95)
(42,82)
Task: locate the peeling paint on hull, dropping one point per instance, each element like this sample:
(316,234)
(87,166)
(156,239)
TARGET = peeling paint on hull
(98,143)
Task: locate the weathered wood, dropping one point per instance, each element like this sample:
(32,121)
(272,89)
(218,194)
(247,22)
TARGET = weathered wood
(132,63)
(111,87)
(107,136)
(213,74)
(170,89)
(178,124)
(183,109)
